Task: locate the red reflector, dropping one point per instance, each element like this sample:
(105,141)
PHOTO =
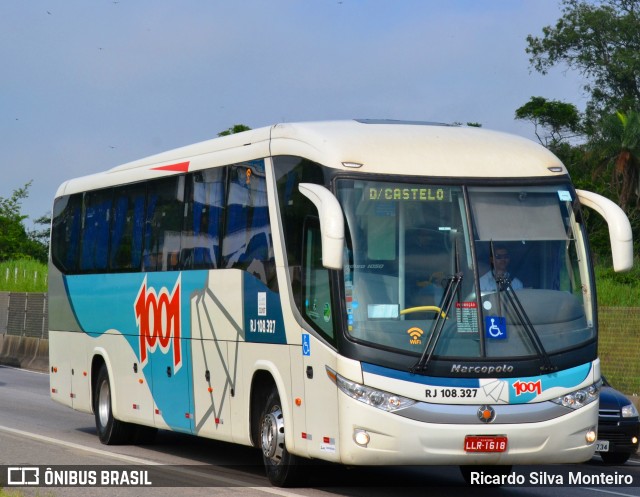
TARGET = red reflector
(54,390)
(474,443)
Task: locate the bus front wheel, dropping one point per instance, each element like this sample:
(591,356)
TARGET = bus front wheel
(283,469)
(110,430)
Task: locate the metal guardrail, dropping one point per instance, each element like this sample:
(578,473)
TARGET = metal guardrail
(24,314)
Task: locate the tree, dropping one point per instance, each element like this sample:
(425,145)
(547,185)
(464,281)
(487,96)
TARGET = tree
(469,124)
(236,128)
(617,147)
(15,242)
(559,120)
(601,40)
(40,238)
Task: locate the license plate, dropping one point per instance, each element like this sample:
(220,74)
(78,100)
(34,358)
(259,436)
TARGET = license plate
(479,443)
(602,445)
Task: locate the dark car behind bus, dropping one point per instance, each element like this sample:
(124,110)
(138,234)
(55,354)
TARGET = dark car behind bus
(618,426)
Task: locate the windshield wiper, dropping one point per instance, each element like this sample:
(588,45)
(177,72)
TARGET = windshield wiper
(445,304)
(504,284)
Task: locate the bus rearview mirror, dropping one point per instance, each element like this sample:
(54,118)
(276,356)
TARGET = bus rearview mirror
(331,223)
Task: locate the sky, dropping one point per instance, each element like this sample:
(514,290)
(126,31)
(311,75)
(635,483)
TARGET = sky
(88,85)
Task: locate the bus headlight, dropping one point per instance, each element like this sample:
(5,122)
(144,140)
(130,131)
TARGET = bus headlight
(371,396)
(579,398)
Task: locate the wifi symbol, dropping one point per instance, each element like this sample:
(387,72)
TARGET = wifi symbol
(415,334)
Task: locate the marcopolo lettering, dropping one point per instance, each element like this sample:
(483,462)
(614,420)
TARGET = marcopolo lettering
(158,320)
(481,369)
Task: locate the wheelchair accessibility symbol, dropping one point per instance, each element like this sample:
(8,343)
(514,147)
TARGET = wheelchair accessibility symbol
(306,345)
(495,327)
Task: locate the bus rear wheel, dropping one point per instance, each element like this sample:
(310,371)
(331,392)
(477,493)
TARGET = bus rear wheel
(283,468)
(110,430)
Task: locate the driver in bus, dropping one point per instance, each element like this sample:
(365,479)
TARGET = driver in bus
(499,264)
(425,255)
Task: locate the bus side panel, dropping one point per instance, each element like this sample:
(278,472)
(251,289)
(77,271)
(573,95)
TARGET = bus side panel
(217,328)
(211,389)
(239,402)
(131,393)
(66,347)
(80,373)
(263,349)
(299,418)
(321,401)
(141,324)
(60,354)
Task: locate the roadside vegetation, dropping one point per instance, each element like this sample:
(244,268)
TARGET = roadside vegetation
(10,493)
(23,275)
(618,289)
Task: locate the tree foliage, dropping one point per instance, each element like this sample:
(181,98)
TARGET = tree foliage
(601,40)
(236,128)
(616,146)
(15,241)
(554,121)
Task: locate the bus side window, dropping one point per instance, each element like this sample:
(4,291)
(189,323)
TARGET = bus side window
(127,225)
(247,243)
(65,232)
(201,235)
(163,223)
(94,248)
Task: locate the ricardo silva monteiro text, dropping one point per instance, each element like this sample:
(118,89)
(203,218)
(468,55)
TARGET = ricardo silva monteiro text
(549,478)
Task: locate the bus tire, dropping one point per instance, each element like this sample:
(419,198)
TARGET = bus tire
(110,430)
(283,468)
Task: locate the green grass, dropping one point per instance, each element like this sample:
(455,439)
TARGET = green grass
(618,289)
(10,493)
(18,493)
(24,275)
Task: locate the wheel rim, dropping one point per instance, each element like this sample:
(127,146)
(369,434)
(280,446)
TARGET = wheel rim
(104,403)
(272,435)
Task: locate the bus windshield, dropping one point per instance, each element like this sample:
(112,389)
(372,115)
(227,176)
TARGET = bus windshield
(470,272)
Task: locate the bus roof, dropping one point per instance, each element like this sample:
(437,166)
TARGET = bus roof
(372,146)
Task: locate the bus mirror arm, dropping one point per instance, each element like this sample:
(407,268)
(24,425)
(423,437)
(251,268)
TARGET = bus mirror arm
(331,223)
(620,233)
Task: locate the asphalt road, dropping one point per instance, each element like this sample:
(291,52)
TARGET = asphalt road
(36,432)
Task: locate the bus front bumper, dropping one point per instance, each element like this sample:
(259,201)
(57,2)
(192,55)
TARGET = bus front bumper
(392,439)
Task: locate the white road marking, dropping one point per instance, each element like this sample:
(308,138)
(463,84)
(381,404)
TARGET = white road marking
(147,462)
(609,492)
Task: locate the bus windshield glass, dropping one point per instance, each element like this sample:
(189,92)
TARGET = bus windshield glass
(494,271)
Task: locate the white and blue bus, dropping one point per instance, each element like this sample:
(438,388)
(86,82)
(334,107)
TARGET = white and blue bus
(319,291)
